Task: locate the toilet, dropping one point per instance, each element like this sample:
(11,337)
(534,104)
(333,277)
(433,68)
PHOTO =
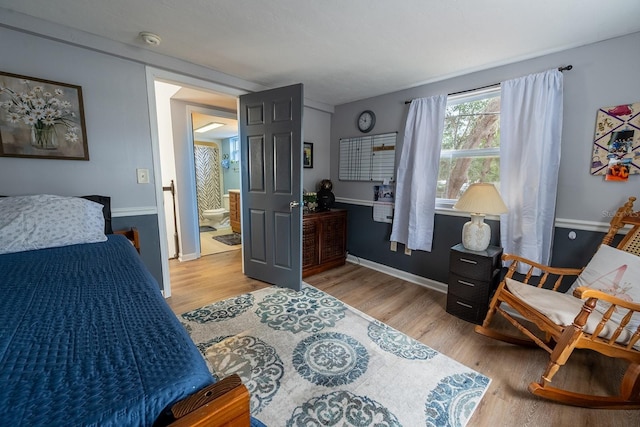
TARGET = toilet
(219,218)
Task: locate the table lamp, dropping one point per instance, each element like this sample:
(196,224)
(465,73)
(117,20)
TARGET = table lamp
(479,199)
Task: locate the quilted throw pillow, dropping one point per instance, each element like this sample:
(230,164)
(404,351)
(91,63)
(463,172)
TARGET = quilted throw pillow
(45,221)
(617,273)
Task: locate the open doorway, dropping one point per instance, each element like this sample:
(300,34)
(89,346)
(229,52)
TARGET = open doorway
(217,175)
(173,99)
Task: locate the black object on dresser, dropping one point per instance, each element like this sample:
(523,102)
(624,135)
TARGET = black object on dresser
(473,276)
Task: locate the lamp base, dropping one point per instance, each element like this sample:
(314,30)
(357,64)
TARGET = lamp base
(476,234)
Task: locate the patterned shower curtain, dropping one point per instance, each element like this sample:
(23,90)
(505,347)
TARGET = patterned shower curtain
(208,185)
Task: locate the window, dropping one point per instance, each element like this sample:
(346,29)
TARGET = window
(234,149)
(470,144)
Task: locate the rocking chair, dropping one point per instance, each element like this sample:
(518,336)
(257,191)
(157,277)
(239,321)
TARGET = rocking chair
(590,319)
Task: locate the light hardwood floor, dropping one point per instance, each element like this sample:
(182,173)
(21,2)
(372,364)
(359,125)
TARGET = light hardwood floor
(420,313)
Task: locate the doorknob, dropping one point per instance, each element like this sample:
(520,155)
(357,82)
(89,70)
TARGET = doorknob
(293,204)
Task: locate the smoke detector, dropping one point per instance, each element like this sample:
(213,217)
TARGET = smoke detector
(150,38)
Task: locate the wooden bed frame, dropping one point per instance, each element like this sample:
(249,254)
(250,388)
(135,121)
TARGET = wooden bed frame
(225,403)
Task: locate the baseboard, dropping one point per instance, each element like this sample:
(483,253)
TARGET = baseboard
(400,274)
(187,257)
(418,280)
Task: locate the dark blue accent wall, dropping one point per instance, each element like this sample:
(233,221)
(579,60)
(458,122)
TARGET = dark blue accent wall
(369,240)
(147,226)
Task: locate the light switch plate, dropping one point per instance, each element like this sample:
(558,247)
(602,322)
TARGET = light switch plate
(143,176)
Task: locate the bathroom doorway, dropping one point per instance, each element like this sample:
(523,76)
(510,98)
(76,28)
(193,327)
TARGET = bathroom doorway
(217,170)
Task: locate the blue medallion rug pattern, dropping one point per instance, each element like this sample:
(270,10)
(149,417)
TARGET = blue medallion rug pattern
(308,359)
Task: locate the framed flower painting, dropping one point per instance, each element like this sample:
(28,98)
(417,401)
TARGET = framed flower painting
(41,119)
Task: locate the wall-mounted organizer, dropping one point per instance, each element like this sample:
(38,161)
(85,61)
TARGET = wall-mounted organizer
(368,158)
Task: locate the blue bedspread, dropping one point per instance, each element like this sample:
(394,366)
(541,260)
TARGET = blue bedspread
(87,339)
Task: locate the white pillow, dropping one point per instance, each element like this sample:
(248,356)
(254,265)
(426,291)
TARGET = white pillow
(45,221)
(617,273)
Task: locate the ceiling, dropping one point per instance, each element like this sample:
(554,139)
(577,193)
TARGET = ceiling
(341,50)
(229,129)
(218,100)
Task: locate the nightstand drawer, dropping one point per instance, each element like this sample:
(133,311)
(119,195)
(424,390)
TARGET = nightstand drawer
(470,289)
(466,310)
(474,265)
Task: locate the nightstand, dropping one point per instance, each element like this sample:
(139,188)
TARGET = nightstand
(132,235)
(473,276)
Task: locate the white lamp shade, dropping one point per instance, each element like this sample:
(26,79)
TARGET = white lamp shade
(479,199)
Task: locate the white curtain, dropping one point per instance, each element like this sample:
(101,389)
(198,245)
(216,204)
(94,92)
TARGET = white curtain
(530,133)
(418,174)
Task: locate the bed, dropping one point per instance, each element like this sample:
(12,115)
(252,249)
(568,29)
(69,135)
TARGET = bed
(86,337)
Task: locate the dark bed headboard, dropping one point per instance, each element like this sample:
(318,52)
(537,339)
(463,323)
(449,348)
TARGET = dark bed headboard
(105,201)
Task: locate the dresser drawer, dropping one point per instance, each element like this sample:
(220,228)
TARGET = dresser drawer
(470,289)
(473,266)
(466,310)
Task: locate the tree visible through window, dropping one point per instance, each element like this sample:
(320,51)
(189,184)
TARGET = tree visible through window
(470,144)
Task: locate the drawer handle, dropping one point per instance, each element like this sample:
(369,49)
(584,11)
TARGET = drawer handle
(468,261)
(462,282)
(464,305)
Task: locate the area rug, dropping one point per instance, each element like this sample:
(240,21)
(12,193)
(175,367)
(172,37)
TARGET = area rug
(309,359)
(204,228)
(229,239)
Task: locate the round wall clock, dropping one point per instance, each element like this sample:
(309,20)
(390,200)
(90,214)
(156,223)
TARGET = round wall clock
(366,121)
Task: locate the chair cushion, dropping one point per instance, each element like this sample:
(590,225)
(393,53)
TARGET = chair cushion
(562,308)
(617,273)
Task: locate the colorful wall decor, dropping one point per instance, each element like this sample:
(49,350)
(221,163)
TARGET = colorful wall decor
(616,142)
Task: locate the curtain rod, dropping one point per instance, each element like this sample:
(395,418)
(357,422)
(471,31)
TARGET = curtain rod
(567,68)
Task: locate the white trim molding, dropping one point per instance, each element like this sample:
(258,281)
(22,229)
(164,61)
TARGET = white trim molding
(400,274)
(188,257)
(144,210)
(560,222)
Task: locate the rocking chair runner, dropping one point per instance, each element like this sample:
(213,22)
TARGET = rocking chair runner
(588,328)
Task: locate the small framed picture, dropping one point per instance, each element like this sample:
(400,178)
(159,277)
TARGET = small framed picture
(41,119)
(307,155)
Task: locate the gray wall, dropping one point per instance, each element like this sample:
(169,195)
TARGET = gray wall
(316,129)
(147,226)
(116,116)
(118,135)
(113,81)
(118,129)
(231,176)
(602,76)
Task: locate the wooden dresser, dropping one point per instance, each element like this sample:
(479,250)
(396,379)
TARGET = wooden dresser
(234,210)
(324,240)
